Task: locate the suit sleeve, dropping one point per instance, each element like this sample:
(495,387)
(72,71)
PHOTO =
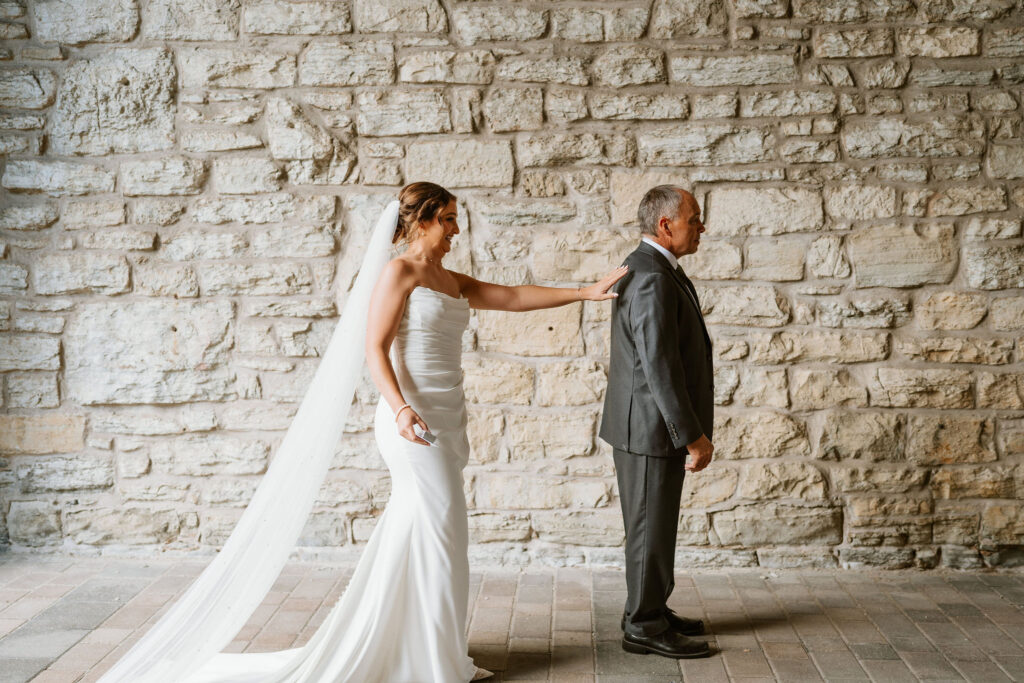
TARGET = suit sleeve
(657,334)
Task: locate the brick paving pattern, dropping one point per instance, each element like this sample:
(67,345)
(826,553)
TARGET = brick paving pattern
(65,620)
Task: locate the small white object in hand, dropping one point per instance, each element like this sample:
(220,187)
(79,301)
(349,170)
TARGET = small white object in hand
(424,434)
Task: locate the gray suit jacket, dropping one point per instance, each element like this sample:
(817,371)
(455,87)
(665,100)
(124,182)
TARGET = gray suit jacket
(661,387)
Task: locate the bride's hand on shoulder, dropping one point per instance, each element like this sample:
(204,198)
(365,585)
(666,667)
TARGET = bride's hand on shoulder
(599,290)
(406,421)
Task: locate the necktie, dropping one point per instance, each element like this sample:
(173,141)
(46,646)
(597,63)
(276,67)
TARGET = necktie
(689,287)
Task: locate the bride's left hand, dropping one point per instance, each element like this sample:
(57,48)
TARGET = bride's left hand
(599,290)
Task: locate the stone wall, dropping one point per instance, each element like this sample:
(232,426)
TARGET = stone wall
(186,186)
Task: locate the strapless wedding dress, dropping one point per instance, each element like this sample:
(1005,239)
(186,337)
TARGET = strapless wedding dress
(402,618)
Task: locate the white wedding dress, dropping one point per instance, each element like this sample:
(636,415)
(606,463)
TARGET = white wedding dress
(402,618)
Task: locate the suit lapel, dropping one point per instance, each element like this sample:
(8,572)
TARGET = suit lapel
(659,259)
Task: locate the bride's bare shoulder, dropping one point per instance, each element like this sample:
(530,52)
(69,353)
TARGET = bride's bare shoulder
(399,275)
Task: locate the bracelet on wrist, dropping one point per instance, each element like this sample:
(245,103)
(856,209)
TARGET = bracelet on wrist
(399,411)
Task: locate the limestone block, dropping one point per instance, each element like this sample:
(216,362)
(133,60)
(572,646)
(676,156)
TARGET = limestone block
(1002,523)
(545,332)
(767,211)
(245,175)
(1005,391)
(951,310)
(774,480)
(156,279)
(945,76)
(565,148)
(903,256)
(762,434)
(783,524)
(82,21)
(826,258)
(518,212)
(519,491)
(13,278)
(56,178)
(508,109)
(213,67)
(332,63)
(203,244)
(878,480)
(779,260)
(957,350)
(32,390)
(279,17)
(579,256)
(752,305)
(865,310)
(617,67)
(191,19)
(907,388)
(563,70)
(714,106)
(709,487)
(940,136)
(748,9)
(41,434)
(498,527)
(759,69)
(255,279)
(860,202)
(447,66)
(293,242)
(75,272)
(857,11)
(581,25)
(28,217)
(635,106)
(581,527)
(492,380)
(787,103)
(462,163)
(1007,313)
(822,389)
(484,431)
(385,16)
(486,24)
(681,18)
(996,267)
(762,388)
(832,43)
(939,41)
(862,435)
(973,482)
(203,456)
(162,176)
(715,260)
(958,201)
(292,135)
(92,213)
(121,101)
(121,526)
(64,473)
(27,88)
(395,112)
(165,351)
(33,523)
(571,383)
(1006,161)
(1004,42)
(705,144)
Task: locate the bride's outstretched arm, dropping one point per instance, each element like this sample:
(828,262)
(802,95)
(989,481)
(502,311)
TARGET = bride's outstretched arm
(386,306)
(494,297)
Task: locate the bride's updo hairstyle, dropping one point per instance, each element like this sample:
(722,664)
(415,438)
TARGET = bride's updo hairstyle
(418,202)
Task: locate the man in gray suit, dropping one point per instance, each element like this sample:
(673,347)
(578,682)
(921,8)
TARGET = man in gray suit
(658,409)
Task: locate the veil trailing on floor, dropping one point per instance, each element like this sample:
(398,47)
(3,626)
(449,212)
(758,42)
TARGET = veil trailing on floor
(216,606)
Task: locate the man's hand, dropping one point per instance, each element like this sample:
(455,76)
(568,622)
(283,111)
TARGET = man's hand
(700,454)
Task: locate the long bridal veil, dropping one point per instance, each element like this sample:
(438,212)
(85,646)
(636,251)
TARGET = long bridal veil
(216,606)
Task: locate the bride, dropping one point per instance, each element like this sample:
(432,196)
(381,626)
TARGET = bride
(402,617)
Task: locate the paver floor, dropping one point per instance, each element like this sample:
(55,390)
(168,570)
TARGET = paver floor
(68,619)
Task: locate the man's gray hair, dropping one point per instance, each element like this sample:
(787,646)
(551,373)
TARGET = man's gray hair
(659,201)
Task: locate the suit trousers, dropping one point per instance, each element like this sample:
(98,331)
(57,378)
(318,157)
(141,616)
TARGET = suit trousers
(650,489)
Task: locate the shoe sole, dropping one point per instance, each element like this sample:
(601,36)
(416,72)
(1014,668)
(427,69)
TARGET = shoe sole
(637,649)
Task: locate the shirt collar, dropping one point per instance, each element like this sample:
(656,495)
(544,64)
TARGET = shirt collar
(664,252)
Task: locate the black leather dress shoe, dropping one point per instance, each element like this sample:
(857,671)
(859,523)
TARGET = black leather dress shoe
(688,627)
(668,643)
